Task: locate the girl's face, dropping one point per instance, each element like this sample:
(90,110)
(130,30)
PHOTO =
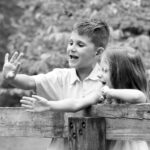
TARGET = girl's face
(105,71)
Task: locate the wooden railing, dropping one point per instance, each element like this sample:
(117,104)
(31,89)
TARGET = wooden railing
(90,132)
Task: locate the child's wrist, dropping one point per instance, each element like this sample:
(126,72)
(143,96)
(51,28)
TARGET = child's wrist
(109,93)
(9,77)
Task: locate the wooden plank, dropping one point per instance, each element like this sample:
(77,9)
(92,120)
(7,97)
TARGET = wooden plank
(86,133)
(124,122)
(127,129)
(18,122)
(138,111)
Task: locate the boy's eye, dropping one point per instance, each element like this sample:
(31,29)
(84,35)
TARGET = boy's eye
(80,44)
(70,42)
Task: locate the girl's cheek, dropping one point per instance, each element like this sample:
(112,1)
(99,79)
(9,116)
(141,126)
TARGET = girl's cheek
(108,83)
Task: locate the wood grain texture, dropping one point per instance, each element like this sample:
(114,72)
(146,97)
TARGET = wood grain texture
(18,122)
(87,133)
(123,122)
(138,111)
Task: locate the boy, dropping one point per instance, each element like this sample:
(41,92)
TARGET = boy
(88,40)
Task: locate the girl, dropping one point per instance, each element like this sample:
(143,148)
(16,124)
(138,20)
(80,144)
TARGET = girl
(123,71)
(124,79)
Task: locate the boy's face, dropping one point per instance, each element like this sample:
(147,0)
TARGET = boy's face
(81,51)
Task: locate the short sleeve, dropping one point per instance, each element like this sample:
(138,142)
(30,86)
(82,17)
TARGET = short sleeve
(49,85)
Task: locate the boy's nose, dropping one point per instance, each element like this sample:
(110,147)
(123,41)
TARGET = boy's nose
(73,49)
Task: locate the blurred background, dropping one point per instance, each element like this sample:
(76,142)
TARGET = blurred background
(40,29)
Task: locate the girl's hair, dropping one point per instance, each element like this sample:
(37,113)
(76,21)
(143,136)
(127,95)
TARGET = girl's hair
(96,29)
(126,69)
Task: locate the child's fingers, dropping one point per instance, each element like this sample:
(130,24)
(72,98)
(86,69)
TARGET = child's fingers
(14,57)
(26,102)
(40,99)
(6,58)
(37,97)
(30,99)
(26,106)
(17,67)
(19,58)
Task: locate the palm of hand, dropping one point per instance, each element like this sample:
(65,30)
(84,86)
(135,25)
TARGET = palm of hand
(40,104)
(11,66)
(9,70)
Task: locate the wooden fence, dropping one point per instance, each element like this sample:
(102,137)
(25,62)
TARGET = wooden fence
(88,132)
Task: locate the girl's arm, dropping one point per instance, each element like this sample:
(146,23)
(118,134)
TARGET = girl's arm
(127,95)
(40,104)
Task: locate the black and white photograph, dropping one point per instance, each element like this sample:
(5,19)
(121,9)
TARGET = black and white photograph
(74,74)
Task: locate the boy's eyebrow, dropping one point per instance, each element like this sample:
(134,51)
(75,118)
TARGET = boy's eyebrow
(76,40)
(80,41)
(70,40)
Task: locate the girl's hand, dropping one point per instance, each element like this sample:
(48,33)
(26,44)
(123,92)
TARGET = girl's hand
(35,103)
(105,90)
(11,67)
(105,94)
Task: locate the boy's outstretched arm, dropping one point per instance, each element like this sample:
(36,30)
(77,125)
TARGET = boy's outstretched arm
(40,104)
(10,70)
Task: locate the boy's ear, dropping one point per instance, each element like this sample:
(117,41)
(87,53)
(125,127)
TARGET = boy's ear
(99,50)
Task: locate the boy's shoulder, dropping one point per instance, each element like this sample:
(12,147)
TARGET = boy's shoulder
(64,71)
(65,74)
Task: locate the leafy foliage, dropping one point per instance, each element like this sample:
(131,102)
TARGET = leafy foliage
(40,29)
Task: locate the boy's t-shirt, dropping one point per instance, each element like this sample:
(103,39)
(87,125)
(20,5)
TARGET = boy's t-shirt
(64,83)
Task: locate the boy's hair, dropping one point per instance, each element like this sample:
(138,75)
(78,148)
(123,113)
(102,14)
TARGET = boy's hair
(96,29)
(126,69)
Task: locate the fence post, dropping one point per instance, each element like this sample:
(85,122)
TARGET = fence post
(87,133)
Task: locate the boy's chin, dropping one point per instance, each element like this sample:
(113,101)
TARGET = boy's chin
(72,65)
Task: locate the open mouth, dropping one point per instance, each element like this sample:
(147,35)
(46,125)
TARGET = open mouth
(73,57)
(104,82)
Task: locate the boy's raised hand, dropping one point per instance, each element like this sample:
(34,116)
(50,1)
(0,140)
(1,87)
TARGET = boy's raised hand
(35,103)
(11,67)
